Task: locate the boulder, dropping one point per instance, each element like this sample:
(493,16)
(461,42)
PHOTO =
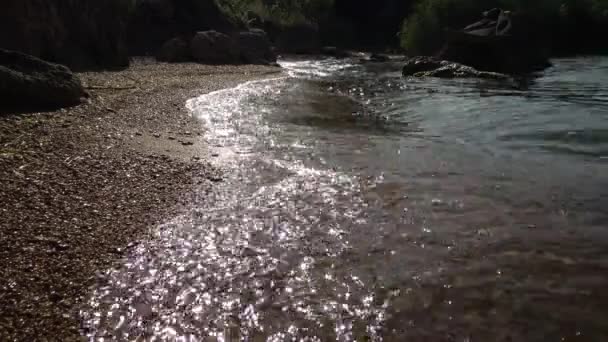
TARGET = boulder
(84,34)
(501,42)
(174,51)
(31,83)
(255,48)
(154,22)
(212,47)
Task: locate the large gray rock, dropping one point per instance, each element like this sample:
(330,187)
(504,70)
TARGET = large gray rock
(255,48)
(212,47)
(82,34)
(174,51)
(28,82)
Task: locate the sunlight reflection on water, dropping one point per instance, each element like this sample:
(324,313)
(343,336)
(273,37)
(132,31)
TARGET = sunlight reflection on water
(368,207)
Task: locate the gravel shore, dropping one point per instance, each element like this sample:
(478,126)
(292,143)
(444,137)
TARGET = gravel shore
(78,185)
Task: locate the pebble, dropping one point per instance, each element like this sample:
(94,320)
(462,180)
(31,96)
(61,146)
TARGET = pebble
(215,179)
(65,255)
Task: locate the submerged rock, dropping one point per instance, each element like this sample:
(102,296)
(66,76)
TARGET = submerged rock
(29,82)
(212,47)
(424,66)
(255,48)
(421,64)
(456,70)
(377,57)
(335,52)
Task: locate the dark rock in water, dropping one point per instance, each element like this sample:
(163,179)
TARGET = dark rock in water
(456,70)
(30,83)
(174,51)
(154,22)
(424,66)
(376,57)
(255,48)
(298,39)
(212,47)
(421,64)
(335,52)
(84,34)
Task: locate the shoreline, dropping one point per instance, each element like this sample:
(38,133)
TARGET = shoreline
(78,185)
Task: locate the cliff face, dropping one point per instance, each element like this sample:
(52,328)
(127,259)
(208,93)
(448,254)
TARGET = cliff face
(82,34)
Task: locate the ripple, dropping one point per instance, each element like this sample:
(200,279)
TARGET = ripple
(431,226)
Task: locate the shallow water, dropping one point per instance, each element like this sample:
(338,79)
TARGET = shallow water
(358,205)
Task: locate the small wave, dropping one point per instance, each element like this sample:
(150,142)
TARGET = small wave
(314,68)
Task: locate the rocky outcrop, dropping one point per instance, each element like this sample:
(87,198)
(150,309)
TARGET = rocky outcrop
(500,42)
(424,66)
(154,22)
(212,47)
(255,48)
(175,50)
(83,34)
(31,83)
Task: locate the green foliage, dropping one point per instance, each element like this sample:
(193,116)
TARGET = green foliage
(563,20)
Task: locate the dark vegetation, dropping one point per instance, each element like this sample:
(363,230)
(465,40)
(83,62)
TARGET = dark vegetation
(563,27)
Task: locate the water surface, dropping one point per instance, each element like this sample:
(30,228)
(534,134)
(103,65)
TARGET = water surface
(360,205)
